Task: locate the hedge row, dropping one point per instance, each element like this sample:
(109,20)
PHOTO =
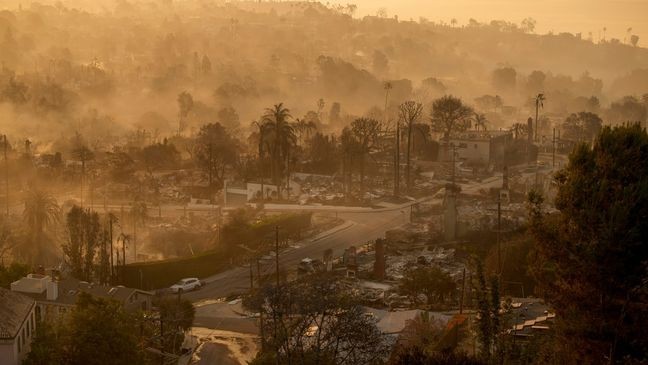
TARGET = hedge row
(161,274)
(253,235)
(164,273)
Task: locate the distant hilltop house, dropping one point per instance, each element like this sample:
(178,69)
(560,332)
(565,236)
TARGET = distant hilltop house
(17,326)
(54,298)
(242,193)
(480,147)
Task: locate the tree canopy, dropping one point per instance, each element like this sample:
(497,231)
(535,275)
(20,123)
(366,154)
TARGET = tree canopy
(96,332)
(590,259)
(449,115)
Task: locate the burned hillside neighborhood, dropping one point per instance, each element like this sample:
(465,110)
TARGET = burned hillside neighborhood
(322,183)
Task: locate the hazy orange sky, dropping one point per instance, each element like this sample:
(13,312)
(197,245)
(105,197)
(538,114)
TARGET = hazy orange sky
(558,15)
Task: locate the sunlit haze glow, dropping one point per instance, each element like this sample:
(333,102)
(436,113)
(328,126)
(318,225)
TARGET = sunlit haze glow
(575,16)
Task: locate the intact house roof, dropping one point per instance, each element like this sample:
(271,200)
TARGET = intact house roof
(14,309)
(67,291)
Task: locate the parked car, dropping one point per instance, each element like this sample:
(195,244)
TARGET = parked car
(187,284)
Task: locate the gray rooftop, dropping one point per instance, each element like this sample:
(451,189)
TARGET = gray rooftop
(14,309)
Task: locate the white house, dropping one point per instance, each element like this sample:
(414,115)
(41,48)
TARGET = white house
(17,326)
(480,147)
(54,298)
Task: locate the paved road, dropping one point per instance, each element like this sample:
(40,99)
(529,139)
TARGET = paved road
(361,227)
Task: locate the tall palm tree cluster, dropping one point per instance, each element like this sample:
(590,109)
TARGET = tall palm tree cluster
(41,212)
(280,138)
(277,138)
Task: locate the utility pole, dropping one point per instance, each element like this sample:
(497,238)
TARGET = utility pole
(388,87)
(82,176)
(553,152)
(6,175)
(454,164)
(211,177)
(463,289)
(112,264)
(397,162)
(277,253)
(499,246)
(134,237)
(251,277)
(274,314)
(123,252)
(539,103)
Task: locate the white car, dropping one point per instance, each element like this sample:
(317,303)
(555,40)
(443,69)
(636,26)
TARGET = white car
(187,284)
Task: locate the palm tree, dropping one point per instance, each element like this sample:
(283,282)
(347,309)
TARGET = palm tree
(480,121)
(304,128)
(41,211)
(518,130)
(280,135)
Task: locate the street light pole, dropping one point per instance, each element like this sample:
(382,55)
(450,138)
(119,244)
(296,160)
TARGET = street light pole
(6,161)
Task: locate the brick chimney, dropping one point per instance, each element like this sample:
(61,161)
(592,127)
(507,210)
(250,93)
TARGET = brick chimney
(52,290)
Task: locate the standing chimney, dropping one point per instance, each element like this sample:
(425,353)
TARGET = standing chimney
(52,290)
(379,264)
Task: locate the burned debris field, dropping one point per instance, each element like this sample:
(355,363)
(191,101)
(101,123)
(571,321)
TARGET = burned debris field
(323,183)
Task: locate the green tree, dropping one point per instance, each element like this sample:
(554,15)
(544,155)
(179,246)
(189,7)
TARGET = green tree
(315,320)
(185,106)
(488,309)
(413,355)
(323,156)
(11,273)
(84,238)
(590,259)
(582,127)
(434,283)
(216,149)
(504,79)
(228,117)
(122,166)
(450,115)
(160,156)
(97,332)
(177,317)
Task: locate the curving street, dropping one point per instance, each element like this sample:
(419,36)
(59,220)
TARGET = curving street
(360,227)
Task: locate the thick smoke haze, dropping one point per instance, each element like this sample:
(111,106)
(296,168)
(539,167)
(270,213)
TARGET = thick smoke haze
(575,16)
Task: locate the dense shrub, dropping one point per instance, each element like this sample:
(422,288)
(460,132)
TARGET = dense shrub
(240,230)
